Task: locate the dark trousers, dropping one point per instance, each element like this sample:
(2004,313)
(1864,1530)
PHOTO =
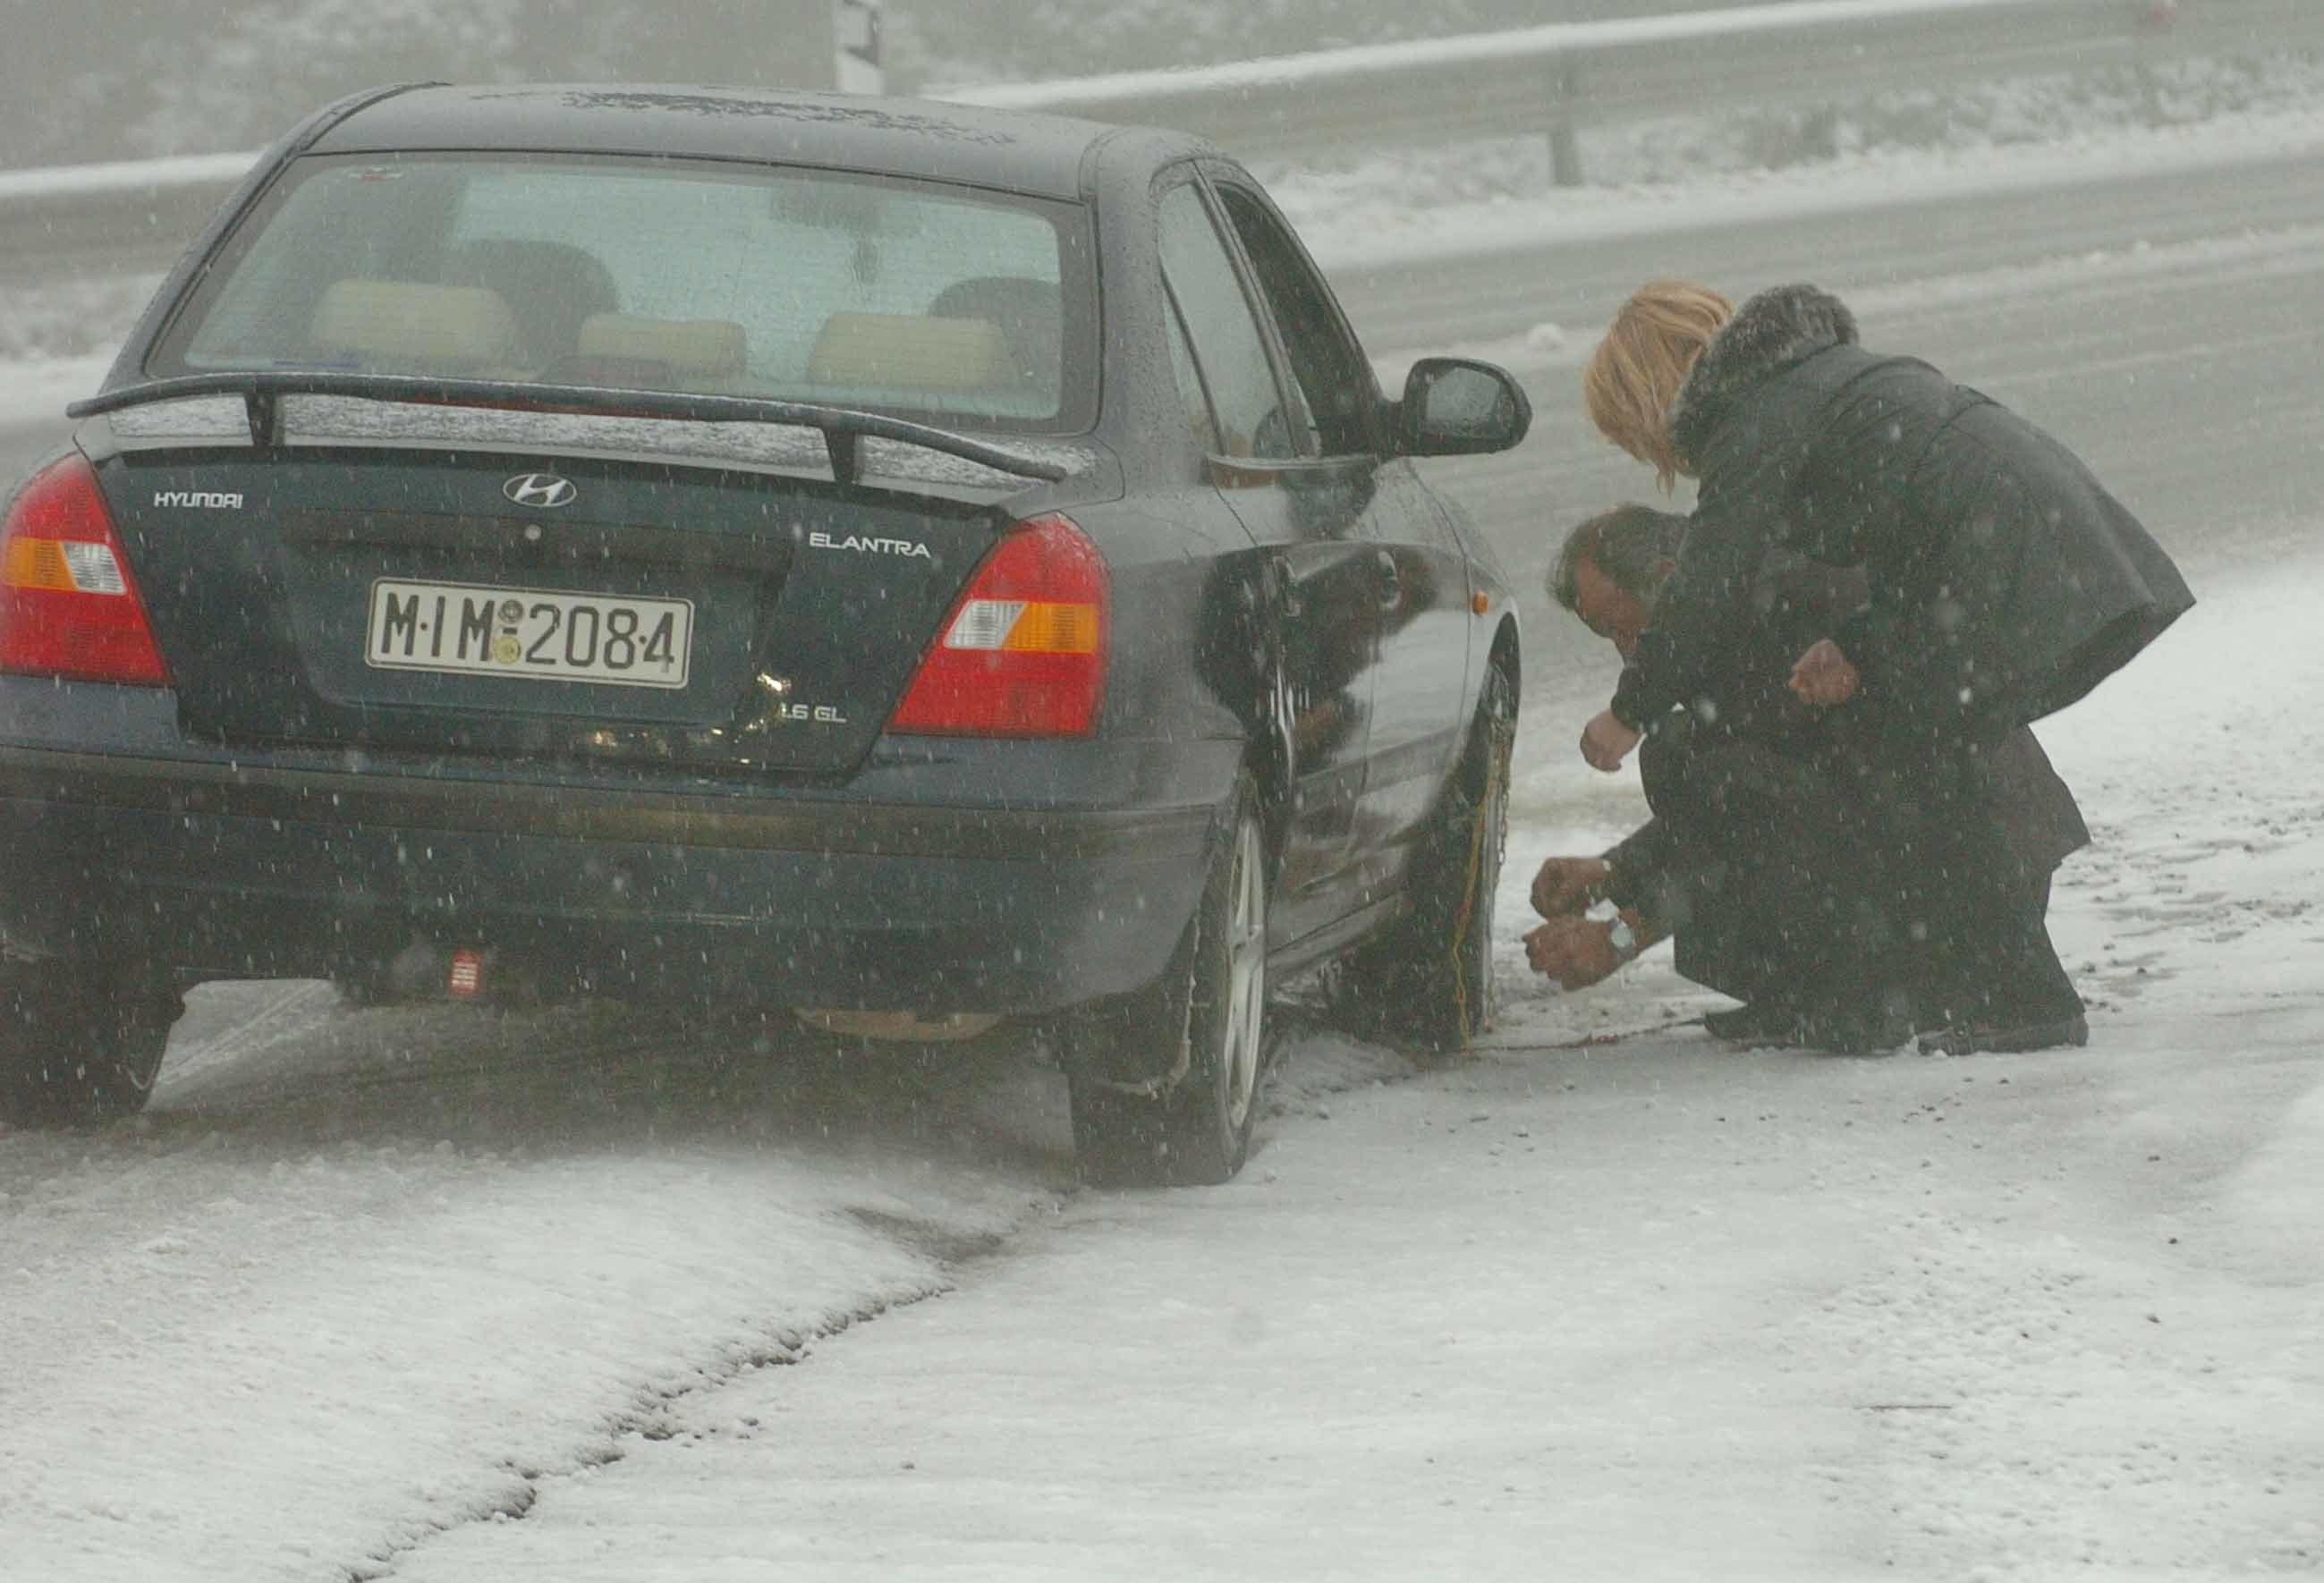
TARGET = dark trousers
(1840,879)
(1972,900)
(1770,894)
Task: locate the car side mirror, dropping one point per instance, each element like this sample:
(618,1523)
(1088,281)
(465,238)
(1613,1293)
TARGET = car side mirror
(1457,407)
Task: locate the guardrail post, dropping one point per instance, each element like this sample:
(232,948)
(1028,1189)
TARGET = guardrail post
(1564,138)
(1819,131)
(2152,28)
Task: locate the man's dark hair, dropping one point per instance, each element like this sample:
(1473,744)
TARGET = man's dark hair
(1627,544)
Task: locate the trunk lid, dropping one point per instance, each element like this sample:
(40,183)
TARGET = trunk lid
(525,602)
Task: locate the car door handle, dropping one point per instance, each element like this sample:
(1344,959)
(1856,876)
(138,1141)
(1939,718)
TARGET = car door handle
(1391,582)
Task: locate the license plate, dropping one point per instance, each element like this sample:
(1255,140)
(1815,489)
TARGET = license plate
(530,633)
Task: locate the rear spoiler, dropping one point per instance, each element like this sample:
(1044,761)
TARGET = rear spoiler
(844,429)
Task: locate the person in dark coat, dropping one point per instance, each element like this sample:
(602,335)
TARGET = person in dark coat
(2004,583)
(1750,858)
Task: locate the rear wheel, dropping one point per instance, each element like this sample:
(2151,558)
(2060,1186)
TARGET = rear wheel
(1210,1011)
(79,1044)
(1428,979)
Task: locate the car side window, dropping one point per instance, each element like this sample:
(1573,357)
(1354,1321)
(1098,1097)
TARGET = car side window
(1197,400)
(1227,348)
(1338,386)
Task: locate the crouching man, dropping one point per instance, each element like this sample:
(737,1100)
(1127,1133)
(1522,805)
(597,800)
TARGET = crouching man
(1763,859)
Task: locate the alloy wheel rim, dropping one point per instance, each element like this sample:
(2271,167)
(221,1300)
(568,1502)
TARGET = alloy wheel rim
(1246,975)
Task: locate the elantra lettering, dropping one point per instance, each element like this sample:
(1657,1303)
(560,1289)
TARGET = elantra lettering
(903,547)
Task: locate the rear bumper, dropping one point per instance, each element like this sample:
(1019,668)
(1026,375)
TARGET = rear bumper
(223,871)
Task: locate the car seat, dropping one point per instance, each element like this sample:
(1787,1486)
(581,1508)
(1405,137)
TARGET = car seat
(412,327)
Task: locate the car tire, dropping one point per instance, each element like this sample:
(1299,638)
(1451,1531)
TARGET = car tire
(1427,982)
(1210,1006)
(80,1045)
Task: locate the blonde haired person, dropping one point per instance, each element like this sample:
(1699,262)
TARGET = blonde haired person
(1636,372)
(2004,584)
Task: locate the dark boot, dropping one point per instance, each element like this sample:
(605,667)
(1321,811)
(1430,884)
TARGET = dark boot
(1968,1038)
(1860,1025)
(1763,1022)
(1850,1022)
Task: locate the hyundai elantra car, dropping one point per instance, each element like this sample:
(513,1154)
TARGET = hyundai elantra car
(914,566)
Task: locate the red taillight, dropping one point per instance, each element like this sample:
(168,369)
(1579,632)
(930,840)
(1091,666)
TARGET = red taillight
(1022,651)
(68,605)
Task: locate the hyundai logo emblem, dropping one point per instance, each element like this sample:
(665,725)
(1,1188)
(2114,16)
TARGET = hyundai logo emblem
(539,489)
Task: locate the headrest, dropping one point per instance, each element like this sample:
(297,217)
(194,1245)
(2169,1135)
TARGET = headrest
(907,351)
(687,346)
(405,320)
(1017,302)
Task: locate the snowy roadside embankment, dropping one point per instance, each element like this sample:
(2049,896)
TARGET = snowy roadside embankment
(1366,218)
(41,387)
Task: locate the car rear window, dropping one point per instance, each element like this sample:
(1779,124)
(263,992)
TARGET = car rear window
(954,303)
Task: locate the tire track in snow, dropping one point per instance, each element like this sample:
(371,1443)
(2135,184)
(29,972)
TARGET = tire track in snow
(652,1416)
(274,1021)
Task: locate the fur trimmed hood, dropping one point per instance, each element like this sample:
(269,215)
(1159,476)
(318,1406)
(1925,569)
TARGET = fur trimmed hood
(1780,327)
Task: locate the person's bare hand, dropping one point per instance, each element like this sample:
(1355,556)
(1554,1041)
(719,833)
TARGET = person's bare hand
(1606,741)
(1825,676)
(1569,885)
(1576,951)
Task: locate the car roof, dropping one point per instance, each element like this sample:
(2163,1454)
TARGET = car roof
(1016,149)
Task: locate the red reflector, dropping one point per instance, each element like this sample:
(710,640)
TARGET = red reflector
(68,606)
(1022,651)
(467,979)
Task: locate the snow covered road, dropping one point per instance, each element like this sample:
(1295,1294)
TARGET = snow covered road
(370,1285)
(1651,1309)
(432,1295)
(362,1273)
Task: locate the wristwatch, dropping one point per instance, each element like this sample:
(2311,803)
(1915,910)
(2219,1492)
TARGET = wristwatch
(1621,936)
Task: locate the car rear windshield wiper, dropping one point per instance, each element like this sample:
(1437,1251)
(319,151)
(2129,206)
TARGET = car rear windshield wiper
(844,429)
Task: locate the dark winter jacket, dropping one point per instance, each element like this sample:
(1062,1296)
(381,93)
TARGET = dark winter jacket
(2005,582)
(1790,604)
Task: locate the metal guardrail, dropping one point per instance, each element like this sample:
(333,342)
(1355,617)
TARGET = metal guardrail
(108,220)
(123,219)
(1554,79)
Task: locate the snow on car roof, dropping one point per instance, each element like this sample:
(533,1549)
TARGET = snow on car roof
(1015,150)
